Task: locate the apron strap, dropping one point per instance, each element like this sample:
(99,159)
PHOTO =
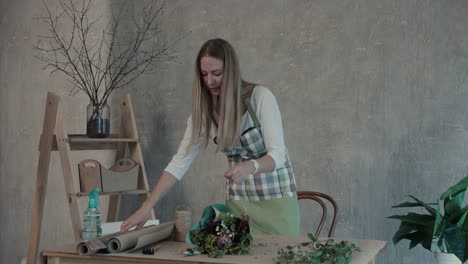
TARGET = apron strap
(246,99)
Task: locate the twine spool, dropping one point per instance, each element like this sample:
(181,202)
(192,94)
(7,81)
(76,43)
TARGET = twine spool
(183,222)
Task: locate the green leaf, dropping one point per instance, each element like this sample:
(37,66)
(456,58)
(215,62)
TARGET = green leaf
(465,256)
(423,238)
(453,205)
(456,217)
(430,209)
(426,243)
(456,240)
(417,234)
(312,237)
(441,228)
(455,189)
(407,204)
(463,222)
(403,230)
(415,242)
(413,218)
(440,243)
(439,224)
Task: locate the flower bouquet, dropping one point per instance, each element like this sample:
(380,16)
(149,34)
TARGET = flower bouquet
(220,232)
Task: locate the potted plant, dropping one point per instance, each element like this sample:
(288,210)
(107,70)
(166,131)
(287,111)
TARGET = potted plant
(444,224)
(97,57)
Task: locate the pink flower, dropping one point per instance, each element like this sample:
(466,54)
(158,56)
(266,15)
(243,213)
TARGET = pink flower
(224,241)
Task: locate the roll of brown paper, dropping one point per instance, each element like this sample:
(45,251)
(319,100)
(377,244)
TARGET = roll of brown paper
(126,241)
(183,222)
(136,239)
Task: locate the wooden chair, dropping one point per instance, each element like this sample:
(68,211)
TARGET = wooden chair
(320,198)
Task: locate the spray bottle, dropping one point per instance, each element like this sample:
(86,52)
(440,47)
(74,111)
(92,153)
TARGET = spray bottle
(92,217)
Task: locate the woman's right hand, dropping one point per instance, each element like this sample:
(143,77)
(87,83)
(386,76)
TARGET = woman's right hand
(137,219)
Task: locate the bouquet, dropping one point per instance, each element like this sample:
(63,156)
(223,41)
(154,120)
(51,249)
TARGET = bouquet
(220,232)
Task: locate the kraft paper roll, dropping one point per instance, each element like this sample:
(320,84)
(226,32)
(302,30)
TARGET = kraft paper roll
(126,241)
(90,247)
(139,238)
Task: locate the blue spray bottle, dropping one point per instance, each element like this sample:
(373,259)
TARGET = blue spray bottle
(92,217)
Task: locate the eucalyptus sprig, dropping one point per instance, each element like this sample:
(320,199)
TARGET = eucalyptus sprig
(316,252)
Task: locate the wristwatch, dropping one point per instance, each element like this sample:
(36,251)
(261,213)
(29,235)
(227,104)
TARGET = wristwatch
(255,166)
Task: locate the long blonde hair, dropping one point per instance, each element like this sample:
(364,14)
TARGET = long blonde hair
(230,101)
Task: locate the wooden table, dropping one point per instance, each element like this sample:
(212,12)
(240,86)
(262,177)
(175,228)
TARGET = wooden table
(264,251)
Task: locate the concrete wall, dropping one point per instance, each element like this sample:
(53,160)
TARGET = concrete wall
(373,96)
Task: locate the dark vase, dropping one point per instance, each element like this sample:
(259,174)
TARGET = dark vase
(98,120)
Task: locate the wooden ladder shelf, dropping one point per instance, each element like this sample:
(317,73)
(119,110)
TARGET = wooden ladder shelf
(54,138)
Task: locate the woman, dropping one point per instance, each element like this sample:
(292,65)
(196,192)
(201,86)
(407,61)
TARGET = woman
(244,120)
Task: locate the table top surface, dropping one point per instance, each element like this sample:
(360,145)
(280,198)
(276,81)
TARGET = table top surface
(264,250)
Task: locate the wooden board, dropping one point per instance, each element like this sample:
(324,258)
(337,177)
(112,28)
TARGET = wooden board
(264,250)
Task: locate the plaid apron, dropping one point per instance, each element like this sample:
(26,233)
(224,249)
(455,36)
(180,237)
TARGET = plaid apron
(261,186)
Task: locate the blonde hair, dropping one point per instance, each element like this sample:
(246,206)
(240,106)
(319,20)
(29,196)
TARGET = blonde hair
(230,100)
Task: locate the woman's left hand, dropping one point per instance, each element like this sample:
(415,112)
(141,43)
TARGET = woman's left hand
(239,171)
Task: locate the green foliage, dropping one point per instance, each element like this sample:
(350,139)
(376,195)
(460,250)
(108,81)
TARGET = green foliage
(316,252)
(447,229)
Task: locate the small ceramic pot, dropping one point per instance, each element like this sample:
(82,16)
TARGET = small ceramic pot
(446,258)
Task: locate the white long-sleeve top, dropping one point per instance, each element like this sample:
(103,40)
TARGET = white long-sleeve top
(266,108)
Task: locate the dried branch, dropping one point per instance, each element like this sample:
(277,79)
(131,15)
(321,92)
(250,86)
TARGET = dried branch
(99,65)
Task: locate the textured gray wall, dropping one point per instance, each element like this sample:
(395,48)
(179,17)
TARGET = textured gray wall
(373,96)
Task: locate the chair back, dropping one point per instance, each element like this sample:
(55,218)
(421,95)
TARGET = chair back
(320,198)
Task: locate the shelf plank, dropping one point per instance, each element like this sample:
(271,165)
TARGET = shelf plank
(82,142)
(112,138)
(81,194)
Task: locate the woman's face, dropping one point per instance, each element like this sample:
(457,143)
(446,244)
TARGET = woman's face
(212,71)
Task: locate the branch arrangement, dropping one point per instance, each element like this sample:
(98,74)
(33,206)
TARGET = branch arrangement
(99,65)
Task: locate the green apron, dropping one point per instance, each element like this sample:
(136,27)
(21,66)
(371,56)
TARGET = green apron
(268,199)
(264,218)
